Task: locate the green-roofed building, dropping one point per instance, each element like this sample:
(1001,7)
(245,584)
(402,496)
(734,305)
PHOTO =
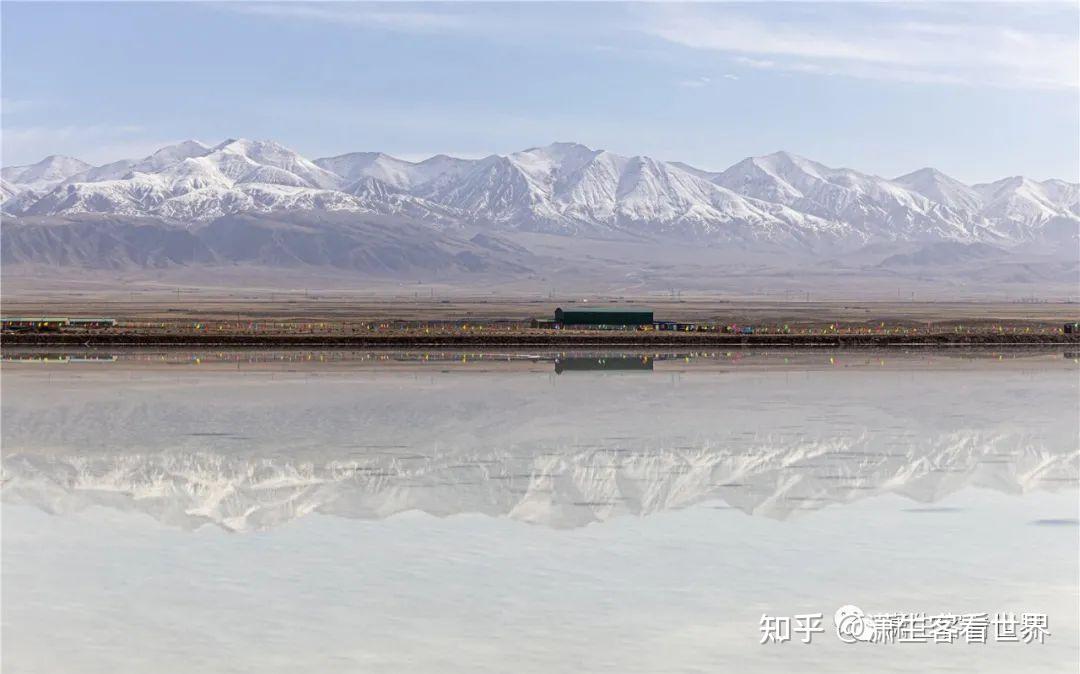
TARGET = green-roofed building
(603,317)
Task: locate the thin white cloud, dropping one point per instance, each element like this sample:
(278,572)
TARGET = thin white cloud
(401,18)
(858,70)
(695,83)
(700,82)
(875,43)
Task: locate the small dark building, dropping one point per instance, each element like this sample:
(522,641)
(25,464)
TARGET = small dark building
(603,317)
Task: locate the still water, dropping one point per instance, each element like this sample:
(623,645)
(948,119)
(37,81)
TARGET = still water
(443,512)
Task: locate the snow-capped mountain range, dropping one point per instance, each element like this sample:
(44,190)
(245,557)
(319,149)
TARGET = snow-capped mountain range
(563,188)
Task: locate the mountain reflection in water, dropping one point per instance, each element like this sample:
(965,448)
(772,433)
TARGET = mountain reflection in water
(252,450)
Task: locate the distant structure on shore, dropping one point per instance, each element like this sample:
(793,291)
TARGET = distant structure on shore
(603,317)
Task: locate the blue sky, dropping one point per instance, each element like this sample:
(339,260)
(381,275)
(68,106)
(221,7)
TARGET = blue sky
(978,90)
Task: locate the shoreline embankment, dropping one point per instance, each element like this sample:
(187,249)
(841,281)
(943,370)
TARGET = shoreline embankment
(556,339)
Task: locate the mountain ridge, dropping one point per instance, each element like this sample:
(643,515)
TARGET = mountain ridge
(562,188)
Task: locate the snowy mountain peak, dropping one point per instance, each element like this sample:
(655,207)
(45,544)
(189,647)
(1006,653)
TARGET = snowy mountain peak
(271,155)
(395,173)
(940,188)
(778,156)
(60,161)
(787,163)
(1019,199)
(1006,186)
(926,173)
(44,174)
(559,153)
(263,151)
(226,143)
(170,154)
(562,150)
(762,178)
(356,165)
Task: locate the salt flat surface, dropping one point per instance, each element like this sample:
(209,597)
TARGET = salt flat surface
(448,516)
